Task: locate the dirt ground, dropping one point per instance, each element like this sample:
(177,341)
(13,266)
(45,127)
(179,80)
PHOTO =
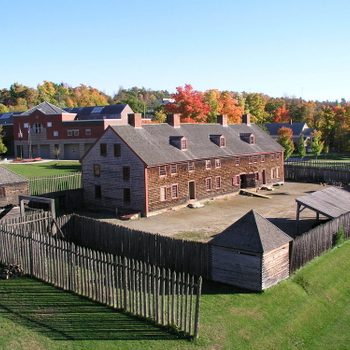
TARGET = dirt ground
(203,223)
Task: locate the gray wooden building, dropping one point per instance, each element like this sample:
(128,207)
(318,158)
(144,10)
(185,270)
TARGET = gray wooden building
(11,185)
(252,254)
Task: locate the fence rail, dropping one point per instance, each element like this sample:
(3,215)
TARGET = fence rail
(176,254)
(161,295)
(313,243)
(55,183)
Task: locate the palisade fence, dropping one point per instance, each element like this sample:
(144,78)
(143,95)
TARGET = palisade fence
(166,297)
(317,171)
(313,243)
(54,183)
(176,254)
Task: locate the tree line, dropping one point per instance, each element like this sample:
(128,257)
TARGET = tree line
(331,118)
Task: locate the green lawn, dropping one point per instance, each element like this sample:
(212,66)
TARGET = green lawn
(45,169)
(309,311)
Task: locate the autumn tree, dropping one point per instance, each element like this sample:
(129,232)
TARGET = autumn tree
(211,97)
(3,148)
(229,106)
(326,124)
(285,139)
(190,103)
(316,143)
(255,105)
(281,115)
(301,147)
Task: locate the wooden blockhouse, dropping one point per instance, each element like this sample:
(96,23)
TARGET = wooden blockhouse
(252,254)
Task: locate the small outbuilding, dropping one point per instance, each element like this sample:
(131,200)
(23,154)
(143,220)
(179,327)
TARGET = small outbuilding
(252,253)
(11,186)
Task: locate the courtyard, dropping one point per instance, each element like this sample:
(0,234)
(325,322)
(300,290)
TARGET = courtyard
(202,224)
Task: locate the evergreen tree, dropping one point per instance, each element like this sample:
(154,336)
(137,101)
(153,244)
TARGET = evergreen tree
(301,147)
(316,143)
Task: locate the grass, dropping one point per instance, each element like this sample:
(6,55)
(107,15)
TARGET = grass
(311,310)
(45,169)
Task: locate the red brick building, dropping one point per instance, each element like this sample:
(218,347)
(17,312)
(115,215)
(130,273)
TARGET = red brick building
(48,131)
(149,168)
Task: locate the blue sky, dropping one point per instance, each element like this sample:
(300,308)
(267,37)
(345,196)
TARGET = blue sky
(295,48)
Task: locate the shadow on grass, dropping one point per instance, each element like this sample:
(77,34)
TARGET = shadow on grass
(211,287)
(63,316)
(62,166)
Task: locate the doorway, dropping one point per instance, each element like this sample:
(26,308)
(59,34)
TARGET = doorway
(192,189)
(264,177)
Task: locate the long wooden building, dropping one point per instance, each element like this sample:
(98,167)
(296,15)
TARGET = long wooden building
(151,168)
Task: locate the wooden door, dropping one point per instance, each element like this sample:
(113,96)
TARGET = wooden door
(192,189)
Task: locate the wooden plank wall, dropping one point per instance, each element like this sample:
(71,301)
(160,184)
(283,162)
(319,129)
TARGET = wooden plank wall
(159,294)
(55,183)
(180,255)
(314,242)
(331,173)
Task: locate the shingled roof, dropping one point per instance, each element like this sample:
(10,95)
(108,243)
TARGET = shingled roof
(98,112)
(151,142)
(252,233)
(45,108)
(298,128)
(9,177)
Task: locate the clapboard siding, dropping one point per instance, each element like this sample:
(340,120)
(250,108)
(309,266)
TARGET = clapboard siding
(111,177)
(275,266)
(236,268)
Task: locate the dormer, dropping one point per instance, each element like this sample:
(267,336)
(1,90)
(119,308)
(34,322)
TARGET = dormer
(179,142)
(247,137)
(219,140)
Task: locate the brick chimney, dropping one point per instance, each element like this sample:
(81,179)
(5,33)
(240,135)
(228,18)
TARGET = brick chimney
(135,120)
(246,118)
(222,119)
(174,120)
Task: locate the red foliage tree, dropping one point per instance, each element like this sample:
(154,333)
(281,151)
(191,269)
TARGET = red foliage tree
(281,115)
(190,103)
(229,105)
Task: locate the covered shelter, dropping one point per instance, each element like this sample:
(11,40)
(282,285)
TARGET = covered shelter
(331,202)
(252,253)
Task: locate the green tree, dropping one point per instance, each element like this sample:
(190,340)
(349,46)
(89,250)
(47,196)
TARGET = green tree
(160,116)
(3,108)
(301,147)
(316,143)
(255,105)
(285,140)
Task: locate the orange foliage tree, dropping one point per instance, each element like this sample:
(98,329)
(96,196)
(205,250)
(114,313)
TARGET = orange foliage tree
(190,103)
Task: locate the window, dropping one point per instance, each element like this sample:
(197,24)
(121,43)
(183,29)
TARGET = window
(55,133)
(26,125)
(222,141)
(255,159)
(272,157)
(257,176)
(2,192)
(250,160)
(76,132)
(98,191)
(126,173)
(69,132)
(277,172)
(208,164)
(126,195)
(236,180)
(218,182)
(237,161)
(173,169)
(174,191)
(190,166)
(278,156)
(252,139)
(49,124)
(183,143)
(117,150)
(208,184)
(37,128)
(217,163)
(162,170)
(97,170)
(103,149)
(262,158)
(87,132)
